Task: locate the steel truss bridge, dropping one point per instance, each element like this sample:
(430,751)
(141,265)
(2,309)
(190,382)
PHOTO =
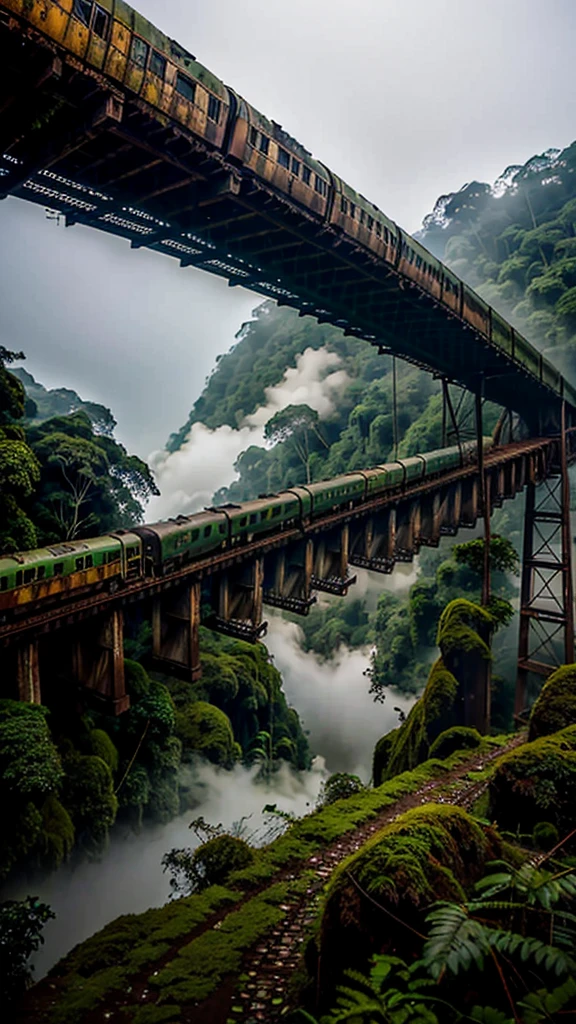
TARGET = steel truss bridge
(106,160)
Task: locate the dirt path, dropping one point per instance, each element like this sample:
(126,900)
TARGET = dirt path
(269,966)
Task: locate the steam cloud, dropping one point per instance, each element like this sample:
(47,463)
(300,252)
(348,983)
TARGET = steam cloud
(188,478)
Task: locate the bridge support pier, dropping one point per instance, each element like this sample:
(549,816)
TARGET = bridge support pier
(98,659)
(546,635)
(373,542)
(330,573)
(28,672)
(408,527)
(175,623)
(238,601)
(287,577)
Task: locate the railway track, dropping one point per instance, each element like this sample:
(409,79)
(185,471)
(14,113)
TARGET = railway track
(264,996)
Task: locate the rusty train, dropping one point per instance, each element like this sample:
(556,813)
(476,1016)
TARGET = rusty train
(110,40)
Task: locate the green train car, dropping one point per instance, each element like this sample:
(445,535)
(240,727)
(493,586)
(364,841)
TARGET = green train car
(158,549)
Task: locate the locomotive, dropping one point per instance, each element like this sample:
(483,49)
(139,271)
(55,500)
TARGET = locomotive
(158,549)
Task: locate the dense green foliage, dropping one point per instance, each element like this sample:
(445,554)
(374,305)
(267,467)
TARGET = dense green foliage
(62,477)
(516,245)
(44,404)
(21,924)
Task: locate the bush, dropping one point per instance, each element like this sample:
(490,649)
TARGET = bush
(210,864)
(21,924)
(339,786)
(536,782)
(88,794)
(459,737)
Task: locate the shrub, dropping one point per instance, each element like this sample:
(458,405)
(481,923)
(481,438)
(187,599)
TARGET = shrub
(338,787)
(102,746)
(88,794)
(210,864)
(537,782)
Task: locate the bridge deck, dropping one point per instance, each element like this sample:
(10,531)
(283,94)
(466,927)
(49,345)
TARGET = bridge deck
(103,157)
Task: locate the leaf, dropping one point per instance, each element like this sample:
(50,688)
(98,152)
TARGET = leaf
(488,1015)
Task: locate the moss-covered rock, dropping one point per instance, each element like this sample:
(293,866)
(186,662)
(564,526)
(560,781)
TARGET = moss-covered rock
(58,832)
(545,835)
(459,737)
(206,730)
(382,892)
(537,782)
(436,710)
(555,707)
(381,756)
(214,861)
(88,794)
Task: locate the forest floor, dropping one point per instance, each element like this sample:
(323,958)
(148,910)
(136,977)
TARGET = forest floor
(260,991)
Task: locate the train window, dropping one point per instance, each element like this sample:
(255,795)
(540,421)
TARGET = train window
(3,583)
(253,137)
(89,561)
(343,204)
(295,166)
(41,572)
(185,87)
(306,174)
(19,578)
(222,528)
(263,515)
(378,229)
(82,10)
(243,520)
(264,144)
(283,158)
(320,186)
(79,564)
(139,52)
(418,262)
(132,552)
(370,223)
(207,530)
(157,64)
(214,109)
(29,575)
(100,22)
(253,517)
(352,210)
(195,535)
(276,510)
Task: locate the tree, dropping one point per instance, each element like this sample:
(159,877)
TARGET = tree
(503,555)
(295,424)
(19,469)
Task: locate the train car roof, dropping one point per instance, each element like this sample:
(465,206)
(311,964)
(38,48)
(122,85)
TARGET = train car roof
(137,23)
(283,138)
(197,520)
(55,551)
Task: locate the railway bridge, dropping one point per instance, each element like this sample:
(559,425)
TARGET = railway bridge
(113,125)
(285,568)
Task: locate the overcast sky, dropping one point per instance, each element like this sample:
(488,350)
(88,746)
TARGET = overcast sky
(406,99)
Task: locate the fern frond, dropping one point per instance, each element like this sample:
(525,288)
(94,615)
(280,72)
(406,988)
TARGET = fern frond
(455,941)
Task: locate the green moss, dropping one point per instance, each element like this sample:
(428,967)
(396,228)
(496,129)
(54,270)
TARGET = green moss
(57,832)
(459,627)
(102,746)
(381,756)
(432,713)
(433,852)
(555,707)
(214,861)
(459,737)
(88,794)
(204,729)
(537,782)
(199,967)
